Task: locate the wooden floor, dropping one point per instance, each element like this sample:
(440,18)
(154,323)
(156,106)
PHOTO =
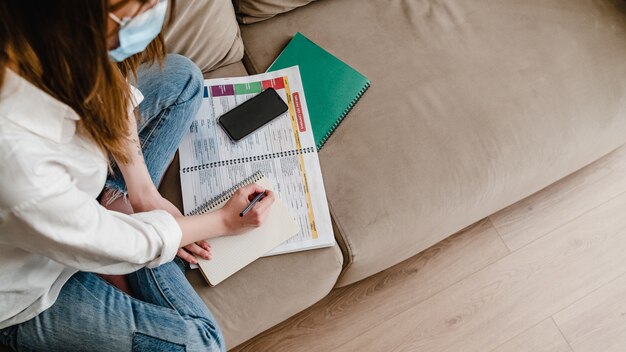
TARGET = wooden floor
(545,274)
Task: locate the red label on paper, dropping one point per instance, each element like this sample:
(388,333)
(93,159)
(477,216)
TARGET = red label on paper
(276,83)
(296,102)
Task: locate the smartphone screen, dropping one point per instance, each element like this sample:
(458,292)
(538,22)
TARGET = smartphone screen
(252,114)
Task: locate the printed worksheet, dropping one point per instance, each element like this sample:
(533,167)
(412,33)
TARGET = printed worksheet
(283,150)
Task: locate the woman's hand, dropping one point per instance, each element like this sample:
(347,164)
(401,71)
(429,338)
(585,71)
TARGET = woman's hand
(236,224)
(227,221)
(201,249)
(151,199)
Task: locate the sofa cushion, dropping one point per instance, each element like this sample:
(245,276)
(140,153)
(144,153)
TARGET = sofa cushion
(206,32)
(474,105)
(270,289)
(251,11)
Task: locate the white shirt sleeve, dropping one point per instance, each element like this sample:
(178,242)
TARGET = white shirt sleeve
(45,213)
(136,97)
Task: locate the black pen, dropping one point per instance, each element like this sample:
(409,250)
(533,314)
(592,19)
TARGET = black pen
(256,199)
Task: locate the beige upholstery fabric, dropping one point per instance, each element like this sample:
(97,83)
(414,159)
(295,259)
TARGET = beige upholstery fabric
(206,32)
(251,11)
(474,105)
(269,290)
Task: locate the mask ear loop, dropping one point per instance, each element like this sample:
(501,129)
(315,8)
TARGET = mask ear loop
(123,22)
(119,21)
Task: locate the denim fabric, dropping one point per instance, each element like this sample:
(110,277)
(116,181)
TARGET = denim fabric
(92,315)
(167,314)
(172,96)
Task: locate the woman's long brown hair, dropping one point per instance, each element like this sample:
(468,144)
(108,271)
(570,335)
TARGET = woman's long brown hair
(60,47)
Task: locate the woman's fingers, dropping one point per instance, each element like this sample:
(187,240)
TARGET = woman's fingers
(249,191)
(260,211)
(186,256)
(201,249)
(204,244)
(264,204)
(255,216)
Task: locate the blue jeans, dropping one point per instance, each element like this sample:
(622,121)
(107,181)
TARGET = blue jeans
(167,314)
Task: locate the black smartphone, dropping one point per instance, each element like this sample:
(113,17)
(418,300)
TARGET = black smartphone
(252,114)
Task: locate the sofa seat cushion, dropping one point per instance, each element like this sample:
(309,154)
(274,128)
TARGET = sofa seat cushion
(206,32)
(474,105)
(270,289)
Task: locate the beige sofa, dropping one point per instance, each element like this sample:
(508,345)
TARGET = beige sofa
(474,105)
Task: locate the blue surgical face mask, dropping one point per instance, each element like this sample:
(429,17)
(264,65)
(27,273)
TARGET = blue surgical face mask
(136,33)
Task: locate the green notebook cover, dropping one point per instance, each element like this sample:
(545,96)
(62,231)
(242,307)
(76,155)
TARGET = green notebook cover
(331,87)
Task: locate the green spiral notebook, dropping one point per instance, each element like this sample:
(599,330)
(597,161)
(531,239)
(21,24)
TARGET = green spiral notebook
(331,87)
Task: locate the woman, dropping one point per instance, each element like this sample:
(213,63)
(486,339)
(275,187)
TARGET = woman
(66,110)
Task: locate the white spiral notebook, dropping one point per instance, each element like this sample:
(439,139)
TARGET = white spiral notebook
(233,253)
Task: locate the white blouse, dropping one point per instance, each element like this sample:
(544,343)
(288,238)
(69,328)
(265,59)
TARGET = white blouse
(51,224)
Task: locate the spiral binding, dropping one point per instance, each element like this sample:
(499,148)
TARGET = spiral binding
(247,159)
(343,115)
(217,200)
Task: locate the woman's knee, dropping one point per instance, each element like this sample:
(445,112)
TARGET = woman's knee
(209,336)
(182,71)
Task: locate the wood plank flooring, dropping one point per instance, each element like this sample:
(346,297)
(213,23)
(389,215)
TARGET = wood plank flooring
(545,274)
(597,322)
(543,337)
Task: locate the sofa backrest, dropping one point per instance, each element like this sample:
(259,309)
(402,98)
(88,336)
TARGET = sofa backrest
(207,32)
